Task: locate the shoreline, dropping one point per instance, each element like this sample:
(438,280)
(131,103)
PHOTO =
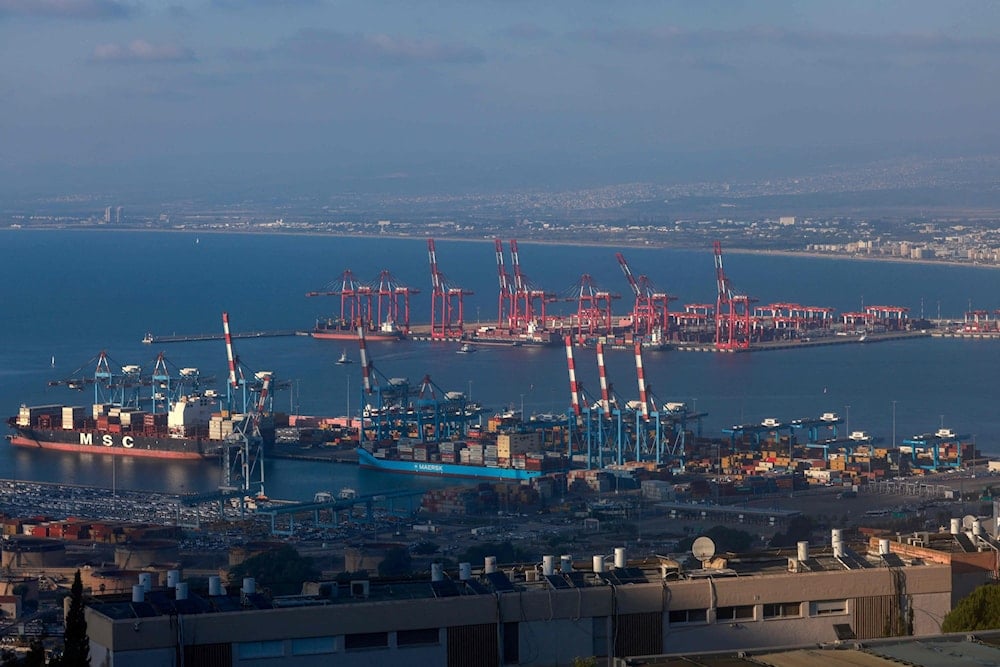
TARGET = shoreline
(733,250)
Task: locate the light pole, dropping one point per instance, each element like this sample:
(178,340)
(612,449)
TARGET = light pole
(973,466)
(847,420)
(894,424)
(470,392)
(522,407)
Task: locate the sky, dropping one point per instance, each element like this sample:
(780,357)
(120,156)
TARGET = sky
(488,93)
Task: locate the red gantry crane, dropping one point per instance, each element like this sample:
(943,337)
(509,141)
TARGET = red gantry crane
(383,303)
(651,312)
(392,305)
(349,289)
(732,311)
(524,313)
(447,310)
(505,302)
(593,312)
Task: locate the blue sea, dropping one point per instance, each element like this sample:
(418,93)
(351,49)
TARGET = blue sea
(69,295)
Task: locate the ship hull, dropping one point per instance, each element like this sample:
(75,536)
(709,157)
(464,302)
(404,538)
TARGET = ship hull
(116,444)
(436,469)
(332,334)
(511,342)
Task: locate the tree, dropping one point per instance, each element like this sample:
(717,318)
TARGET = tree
(76,643)
(980,610)
(35,657)
(425,548)
(282,570)
(505,552)
(799,529)
(396,563)
(726,539)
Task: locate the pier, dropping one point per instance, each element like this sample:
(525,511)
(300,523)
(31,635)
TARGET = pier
(151,338)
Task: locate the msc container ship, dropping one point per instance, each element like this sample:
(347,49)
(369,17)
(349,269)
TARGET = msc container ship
(193,429)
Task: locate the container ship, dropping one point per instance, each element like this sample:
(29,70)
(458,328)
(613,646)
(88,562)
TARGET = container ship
(341,329)
(193,429)
(488,335)
(510,456)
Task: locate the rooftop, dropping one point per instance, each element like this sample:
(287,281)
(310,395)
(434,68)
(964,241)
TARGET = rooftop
(553,574)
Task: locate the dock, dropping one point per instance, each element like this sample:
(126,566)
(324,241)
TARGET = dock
(150,338)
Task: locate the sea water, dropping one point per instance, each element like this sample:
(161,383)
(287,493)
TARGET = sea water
(68,295)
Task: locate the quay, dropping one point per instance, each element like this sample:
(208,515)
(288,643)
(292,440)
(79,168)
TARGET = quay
(804,343)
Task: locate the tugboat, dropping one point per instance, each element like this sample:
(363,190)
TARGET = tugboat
(343,359)
(466,349)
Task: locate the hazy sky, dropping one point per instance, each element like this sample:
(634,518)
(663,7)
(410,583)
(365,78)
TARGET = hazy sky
(132,89)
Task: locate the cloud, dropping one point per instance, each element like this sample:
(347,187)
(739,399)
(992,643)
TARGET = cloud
(657,37)
(528,32)
(141,51)
(178,12)
(72,9)
(240,5)
(379,49)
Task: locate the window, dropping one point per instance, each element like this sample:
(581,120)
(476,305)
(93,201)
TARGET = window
(366,640)
(268,649)
(511,644)
(783,610)
(742,613)
(827,607)
(688,616)
(313,645)
(416,637)
(600,634)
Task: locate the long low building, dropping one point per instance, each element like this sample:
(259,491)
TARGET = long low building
(556,612)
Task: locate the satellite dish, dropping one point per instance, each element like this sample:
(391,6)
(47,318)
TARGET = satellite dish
(703,549)
(967,521)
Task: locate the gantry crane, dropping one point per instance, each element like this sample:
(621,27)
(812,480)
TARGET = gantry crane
(384,302)
(651,312)
(732,311)
(447,310)
(243,451)
(593,313)
(525,314)
(390,407)
(505,301)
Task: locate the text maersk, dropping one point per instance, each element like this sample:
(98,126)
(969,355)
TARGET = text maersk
(430,467)
(127,441)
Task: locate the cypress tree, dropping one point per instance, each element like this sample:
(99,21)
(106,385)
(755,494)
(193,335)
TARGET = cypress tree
(76,643)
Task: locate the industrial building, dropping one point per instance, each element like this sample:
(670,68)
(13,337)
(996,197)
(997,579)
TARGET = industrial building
(559,610)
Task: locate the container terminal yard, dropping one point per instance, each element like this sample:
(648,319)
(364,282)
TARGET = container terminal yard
(530,315)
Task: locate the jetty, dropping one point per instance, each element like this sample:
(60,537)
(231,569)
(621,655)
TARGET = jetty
(150,338)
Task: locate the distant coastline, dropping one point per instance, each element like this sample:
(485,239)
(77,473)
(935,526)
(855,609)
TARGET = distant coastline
(732,250)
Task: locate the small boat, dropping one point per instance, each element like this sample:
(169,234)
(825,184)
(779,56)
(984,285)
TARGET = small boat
(466,349)
(53,361)
(343,358)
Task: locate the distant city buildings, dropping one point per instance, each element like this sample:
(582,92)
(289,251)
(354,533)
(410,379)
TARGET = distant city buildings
(114,214)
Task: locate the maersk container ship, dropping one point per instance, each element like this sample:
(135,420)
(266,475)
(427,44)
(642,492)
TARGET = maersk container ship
(438,469)
(511,456)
